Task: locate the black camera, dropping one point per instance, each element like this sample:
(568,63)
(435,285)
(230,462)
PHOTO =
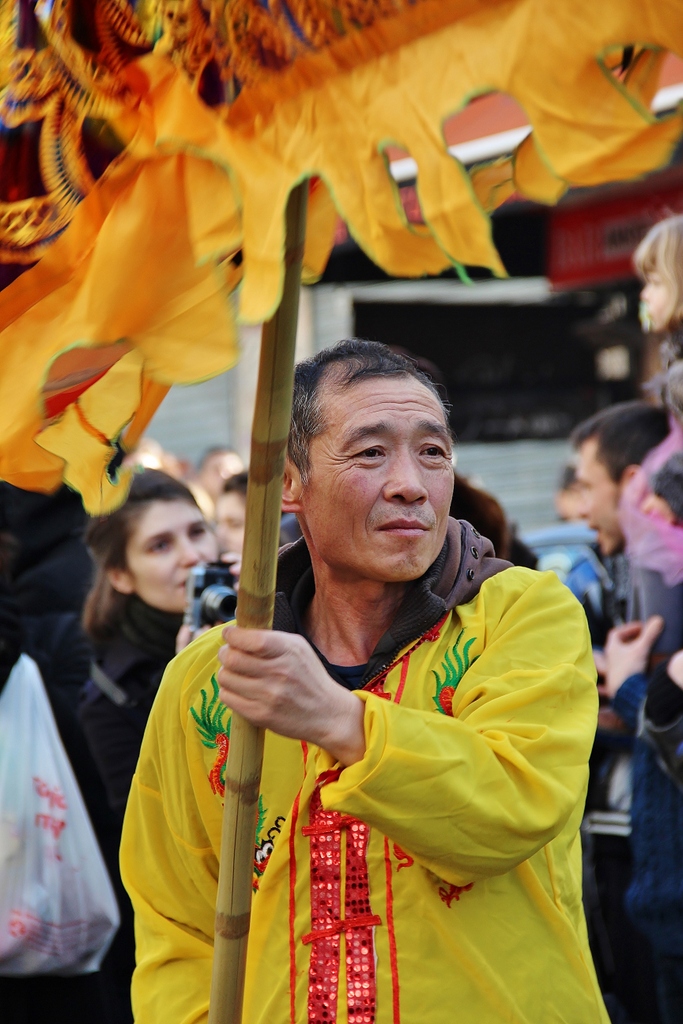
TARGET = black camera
(211,595)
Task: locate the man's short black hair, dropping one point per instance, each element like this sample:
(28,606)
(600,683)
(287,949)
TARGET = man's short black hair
(567,477)
(352,361)
(237,484)
(624,433)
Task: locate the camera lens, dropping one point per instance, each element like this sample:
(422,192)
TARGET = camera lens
(218,604)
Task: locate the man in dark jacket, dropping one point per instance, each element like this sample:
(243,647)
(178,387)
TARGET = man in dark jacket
(610,447)
(655,895)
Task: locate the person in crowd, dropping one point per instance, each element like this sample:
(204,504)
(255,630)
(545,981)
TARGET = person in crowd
(217,465)
(149,454)
(655,895)
(486,514)
(648,512)
(52,569)
(569,549)
(430,712)
(666,500)
(230,513)
(643,659)
(143,554)
(654,541)
(44,573)
(569,495)
(659,263)
(10,616)
(50,575)
(230,518)
(654,545)
(482,510)
(610,446)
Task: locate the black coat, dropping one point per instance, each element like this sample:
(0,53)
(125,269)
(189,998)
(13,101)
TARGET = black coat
(57,644)
(114,735)
(114,732)
(40,614)
(53,570)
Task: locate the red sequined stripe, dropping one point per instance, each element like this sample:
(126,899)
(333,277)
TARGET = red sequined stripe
(292,910)
(361,984)
(325,831)
(393,956)
(323,977)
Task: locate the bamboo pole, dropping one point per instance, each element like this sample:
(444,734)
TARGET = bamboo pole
(255,604)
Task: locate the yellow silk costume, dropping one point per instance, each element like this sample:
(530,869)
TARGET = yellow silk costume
(438,879)
(131,293)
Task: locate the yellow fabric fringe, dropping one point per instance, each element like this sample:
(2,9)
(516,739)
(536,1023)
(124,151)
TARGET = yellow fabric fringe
(147,254)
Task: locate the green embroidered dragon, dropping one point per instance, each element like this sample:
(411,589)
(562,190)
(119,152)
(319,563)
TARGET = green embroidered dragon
(214,733)
(453,668)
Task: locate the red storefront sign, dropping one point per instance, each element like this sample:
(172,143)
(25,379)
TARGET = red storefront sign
(594,243)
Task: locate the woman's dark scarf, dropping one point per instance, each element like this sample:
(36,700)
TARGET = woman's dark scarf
(149,629)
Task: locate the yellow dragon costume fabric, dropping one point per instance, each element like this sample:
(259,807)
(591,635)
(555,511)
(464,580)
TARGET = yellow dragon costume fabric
(148,149)
(438,879)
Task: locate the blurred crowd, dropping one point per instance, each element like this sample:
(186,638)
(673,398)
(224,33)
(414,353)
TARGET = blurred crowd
(102,607)
(625,485)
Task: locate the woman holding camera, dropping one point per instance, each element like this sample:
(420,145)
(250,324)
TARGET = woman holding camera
(143,554)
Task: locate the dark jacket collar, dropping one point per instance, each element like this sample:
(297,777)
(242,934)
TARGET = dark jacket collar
(465,561)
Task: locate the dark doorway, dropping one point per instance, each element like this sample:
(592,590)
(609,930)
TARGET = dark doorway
(512,372)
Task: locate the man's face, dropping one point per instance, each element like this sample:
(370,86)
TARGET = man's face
(216,469)
(376,503)
(230,521)
(600,495)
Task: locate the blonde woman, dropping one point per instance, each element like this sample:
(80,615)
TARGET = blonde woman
(659,263)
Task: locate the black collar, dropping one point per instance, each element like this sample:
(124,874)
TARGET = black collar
(420,609)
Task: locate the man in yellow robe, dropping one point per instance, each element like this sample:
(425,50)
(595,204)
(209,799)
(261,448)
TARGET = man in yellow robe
(430,713)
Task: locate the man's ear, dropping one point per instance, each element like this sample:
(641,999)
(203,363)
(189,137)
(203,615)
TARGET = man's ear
(121,580)
(292,489)
(628,474)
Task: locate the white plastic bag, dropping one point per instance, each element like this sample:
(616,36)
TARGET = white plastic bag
(58,912)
